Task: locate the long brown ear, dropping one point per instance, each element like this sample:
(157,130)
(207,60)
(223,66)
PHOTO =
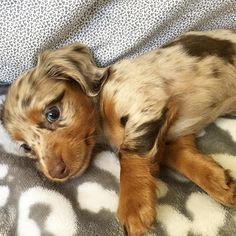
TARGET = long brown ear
(74,62)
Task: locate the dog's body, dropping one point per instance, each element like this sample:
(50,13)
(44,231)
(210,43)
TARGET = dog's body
(197,72)
(142,103)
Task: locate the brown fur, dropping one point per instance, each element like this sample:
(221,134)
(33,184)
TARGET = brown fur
(138,197)
(113,128)
(182,156)
(138,105)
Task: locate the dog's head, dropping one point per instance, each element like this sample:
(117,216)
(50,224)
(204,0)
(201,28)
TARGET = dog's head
(49,110)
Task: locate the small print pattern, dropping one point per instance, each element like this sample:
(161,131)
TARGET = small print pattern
(112,29)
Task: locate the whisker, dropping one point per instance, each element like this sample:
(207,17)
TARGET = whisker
(89,137)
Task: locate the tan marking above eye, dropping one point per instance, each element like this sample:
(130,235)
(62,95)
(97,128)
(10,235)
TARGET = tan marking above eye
(56,100)
(34,115)
(17,136)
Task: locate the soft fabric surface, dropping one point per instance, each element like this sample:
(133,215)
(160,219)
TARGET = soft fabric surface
(113,29)
(32,205)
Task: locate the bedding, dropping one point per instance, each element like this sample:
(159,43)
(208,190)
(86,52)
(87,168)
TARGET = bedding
(112,29)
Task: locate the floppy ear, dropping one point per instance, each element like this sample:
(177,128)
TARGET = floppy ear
(74,62)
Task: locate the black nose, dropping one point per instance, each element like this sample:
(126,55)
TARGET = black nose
(59,170)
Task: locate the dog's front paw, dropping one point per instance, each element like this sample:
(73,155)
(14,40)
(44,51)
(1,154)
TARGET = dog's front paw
(136,213)
(138,197)
(221,186)
(230,197)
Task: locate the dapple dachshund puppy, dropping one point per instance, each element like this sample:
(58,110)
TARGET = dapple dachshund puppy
(149,108)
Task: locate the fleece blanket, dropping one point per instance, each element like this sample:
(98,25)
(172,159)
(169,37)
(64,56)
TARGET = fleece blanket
(32,205)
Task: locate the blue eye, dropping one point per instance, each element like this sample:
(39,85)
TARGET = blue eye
(52,114)
(25,147)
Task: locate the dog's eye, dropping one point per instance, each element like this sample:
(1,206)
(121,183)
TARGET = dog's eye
(25,147)
(52,114)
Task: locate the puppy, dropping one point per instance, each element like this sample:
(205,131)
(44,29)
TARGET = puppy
(148,108)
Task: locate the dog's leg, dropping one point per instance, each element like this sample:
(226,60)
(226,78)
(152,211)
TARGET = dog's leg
(183,156)
(138,198)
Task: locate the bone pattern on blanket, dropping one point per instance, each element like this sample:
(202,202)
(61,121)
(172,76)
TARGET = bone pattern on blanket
(94,197)
(89,203)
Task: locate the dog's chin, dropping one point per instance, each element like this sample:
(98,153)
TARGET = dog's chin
(57,180)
